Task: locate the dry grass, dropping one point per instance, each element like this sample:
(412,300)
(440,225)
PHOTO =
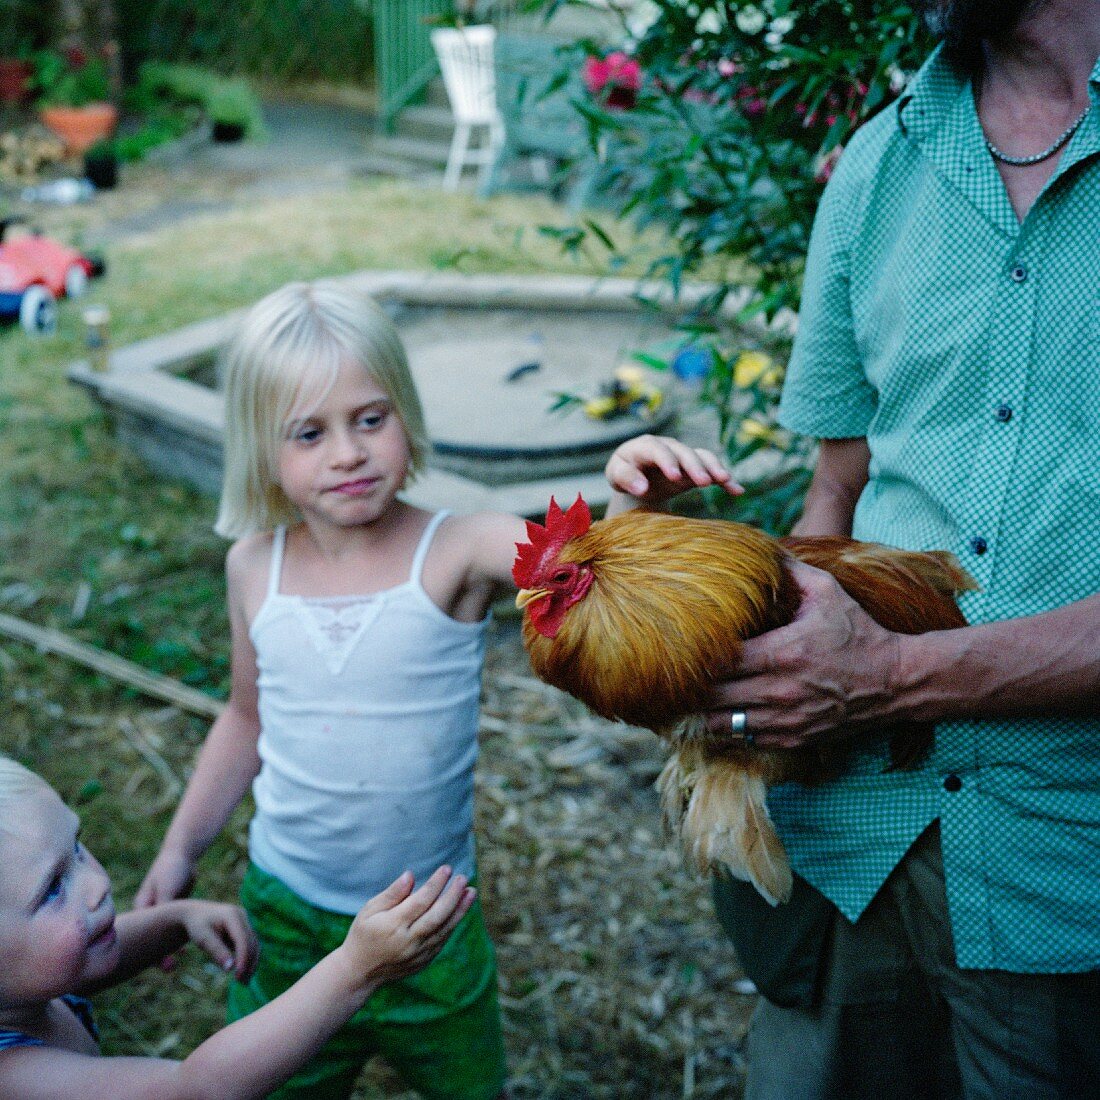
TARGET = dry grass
(616,981)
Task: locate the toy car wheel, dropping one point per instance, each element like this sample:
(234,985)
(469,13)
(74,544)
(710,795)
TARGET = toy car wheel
(38,310)
(76,281)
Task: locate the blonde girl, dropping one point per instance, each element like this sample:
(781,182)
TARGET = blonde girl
(358,634)
(60,939)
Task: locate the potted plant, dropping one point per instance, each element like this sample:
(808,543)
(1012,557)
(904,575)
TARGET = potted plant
(462,13)
(101,164)
(72,92)
(233,110)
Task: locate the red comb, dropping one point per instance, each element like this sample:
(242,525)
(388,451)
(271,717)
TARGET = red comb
(545,542)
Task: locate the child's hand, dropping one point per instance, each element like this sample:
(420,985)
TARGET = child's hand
(171,876)
(223,932)
(399,932)
(655,468)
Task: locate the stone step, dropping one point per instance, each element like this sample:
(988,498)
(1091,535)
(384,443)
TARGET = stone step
(381,164)
(419,151)
(426,122)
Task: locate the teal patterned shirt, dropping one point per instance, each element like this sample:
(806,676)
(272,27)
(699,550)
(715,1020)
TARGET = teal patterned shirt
(965,347)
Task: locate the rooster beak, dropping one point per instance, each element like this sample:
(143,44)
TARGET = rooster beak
(529,595)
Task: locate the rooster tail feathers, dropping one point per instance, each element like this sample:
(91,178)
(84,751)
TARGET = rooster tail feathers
(941,569)
(720,814)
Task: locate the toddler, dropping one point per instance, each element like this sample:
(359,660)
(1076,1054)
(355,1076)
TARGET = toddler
(60,939)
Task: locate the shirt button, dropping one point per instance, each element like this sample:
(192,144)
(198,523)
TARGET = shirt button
(1019,273)
(978,545)
(1003,414)
(952,783)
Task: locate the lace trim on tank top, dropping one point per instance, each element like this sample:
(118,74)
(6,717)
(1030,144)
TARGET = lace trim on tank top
(335,624)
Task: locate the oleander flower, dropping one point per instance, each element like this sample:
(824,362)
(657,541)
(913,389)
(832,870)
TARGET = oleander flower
(617,78)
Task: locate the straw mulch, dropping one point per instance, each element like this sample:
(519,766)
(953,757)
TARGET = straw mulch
(617,981)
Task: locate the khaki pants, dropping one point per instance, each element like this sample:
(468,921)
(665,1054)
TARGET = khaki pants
(895,1018)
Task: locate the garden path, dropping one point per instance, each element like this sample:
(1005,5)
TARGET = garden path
(309,147)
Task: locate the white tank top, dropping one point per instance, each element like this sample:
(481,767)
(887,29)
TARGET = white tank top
(368,737)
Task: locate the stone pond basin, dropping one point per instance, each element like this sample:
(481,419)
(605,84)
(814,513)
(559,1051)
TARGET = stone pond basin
(497,442)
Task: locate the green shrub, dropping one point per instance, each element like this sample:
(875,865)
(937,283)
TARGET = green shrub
(277,40)
(741,112)
(221,99)
(61,81)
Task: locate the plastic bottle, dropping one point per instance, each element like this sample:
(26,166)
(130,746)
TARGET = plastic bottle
(60,192)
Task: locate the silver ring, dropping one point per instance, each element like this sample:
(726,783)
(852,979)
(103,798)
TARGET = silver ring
(739,721)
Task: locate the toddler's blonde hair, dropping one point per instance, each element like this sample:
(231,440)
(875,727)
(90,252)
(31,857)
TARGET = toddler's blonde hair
(15,780)
(300,335)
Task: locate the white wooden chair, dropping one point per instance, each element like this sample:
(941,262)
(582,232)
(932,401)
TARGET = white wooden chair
(466,61)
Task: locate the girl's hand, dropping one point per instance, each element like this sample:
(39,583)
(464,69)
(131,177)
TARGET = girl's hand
(223,932)
(171,876)
(399,932)
(652,469)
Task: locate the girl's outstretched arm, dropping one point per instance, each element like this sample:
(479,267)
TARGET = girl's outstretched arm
(395,934)
(228,761)
(648,470)
(470,563)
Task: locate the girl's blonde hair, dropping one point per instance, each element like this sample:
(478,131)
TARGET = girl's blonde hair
(15,780)
(300,335)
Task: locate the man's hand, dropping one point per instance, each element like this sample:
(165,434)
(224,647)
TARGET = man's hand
(830,671)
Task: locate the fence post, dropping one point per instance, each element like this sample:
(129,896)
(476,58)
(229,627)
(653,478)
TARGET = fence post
(403,58)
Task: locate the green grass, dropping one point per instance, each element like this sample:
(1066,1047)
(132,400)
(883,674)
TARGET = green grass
(83,522)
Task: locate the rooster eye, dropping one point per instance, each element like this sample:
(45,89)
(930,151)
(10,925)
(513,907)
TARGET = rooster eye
(561,576)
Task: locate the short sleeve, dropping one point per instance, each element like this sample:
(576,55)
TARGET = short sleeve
(826,394)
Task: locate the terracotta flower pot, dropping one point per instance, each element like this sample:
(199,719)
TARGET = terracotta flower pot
(81,127)
(15,79)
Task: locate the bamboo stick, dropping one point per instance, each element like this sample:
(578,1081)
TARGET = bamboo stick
(48,640)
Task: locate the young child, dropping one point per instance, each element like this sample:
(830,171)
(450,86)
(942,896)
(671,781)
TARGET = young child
(60,938)
(358,632)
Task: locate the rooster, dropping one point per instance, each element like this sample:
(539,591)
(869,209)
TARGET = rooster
(638,615)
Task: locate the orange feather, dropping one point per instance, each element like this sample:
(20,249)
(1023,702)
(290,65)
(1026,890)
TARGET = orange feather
(670,602)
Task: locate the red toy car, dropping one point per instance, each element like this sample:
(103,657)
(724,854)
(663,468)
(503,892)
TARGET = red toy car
(34,272)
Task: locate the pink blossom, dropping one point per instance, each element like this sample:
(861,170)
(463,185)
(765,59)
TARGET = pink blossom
(616,68)
(618,75)
(826,164)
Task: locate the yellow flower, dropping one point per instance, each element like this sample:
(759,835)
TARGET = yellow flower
(753,367)
(753,430)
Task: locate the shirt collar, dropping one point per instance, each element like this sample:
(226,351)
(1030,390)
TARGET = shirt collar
(937,112)
(929,96)
(935,89)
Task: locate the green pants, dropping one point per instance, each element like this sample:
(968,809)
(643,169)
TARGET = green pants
(893,1016)
(440,1029)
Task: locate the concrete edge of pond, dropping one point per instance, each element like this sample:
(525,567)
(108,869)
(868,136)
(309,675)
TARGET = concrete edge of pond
(176,425)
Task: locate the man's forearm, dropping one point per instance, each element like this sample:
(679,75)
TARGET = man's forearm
(839,477)
(1040,665)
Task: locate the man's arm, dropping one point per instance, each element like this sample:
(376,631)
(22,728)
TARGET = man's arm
(839,477)
(834,670)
